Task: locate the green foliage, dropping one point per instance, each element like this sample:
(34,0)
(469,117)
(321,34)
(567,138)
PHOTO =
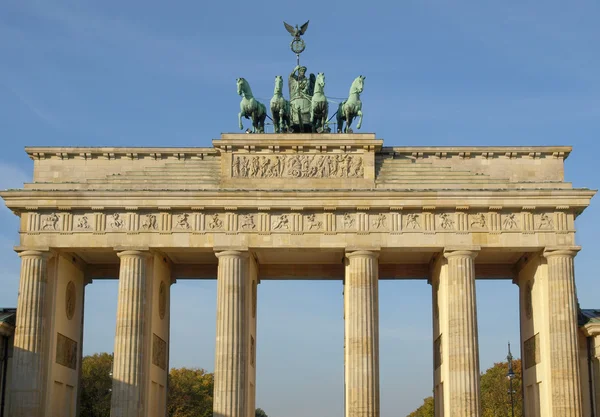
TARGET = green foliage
(96,383)
(426,410)
(190,393)
(260,413)
(495,393)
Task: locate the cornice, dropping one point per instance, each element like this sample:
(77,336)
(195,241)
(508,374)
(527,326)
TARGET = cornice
(466,152)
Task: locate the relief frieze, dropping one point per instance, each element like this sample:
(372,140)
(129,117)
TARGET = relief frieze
(297,166)
(232,221)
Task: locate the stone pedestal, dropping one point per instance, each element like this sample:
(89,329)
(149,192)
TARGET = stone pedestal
(232,353)
(463,392)
(361,311)
(130,355)
(565,382)
(29,360)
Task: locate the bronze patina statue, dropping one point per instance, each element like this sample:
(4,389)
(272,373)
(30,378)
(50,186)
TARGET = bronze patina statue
(250,108)
(308,108)
(351,107)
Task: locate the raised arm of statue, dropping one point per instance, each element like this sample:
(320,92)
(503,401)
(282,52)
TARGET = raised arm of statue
(294,71)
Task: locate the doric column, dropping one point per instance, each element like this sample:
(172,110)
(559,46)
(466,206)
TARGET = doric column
(130,337)
(562,303)
(28,383)
(361,308)
(463,352)
(231,352)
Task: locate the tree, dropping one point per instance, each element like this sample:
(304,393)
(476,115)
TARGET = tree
(426,410)
(190,393)
(495,392)
(96,384)
(259,412)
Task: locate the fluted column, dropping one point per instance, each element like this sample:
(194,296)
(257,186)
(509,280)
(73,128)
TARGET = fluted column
(28,384)
(463,347)
(128,367)
(362,334)
(562,303)
(231,353)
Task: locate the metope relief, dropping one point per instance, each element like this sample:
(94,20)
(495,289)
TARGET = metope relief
(509,221)
(50,222)
(215,222)
(82,222)
(247,222)
(478,221)
(379,222)
(116,221)
(297,166)
(545,222)
(281,222)
(446,221)
(183,222)
(150,222)
(349,221)
(413,221)
(312,223)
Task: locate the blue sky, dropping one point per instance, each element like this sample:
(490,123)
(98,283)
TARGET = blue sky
(152,73)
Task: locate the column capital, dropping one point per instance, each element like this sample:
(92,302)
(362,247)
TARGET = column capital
(142,253)
(569,251)
(35,254)
(233,253)
(363,253)
(464,252)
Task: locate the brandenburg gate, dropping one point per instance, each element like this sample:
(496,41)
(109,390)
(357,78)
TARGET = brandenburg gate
(293,206)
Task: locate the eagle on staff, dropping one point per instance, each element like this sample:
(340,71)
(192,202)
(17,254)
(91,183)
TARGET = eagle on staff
(294,31)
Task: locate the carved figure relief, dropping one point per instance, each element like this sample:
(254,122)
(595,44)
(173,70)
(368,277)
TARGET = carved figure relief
(117,222)
(82,223)
(379,221)
(479,221)
(297,166)
(248,222)
(447,222)
(215,222)
(281,222)
(510,222)
(50,222)
(162,300)
(546,222)
(183,222)
(313,223)
(349,221)
(150,222)
(412,221)
(70,300)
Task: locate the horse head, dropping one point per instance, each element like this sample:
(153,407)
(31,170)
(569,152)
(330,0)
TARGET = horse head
(278,84)
(243,88)
(358,85)
(319,85)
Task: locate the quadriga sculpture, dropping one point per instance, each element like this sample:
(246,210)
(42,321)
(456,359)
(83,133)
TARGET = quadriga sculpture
(280,107)
(250,108)
(351,107)
(319,107)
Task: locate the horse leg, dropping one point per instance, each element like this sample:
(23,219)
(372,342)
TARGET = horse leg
(325,115)
(240,119)
(276,120)
(262,122)
(349,118)
(340,119)
(359,124)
